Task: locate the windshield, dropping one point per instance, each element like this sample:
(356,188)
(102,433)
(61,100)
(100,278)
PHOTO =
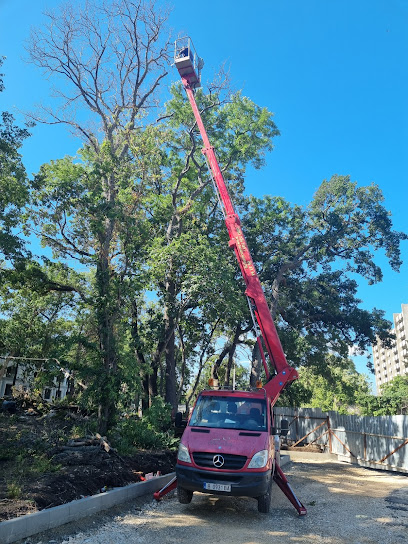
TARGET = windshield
(229,413)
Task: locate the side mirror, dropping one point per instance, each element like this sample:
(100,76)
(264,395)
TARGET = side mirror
(178,421)
(284,427)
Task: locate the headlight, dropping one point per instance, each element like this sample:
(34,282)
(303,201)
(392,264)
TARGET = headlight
(183,454)
(259,460)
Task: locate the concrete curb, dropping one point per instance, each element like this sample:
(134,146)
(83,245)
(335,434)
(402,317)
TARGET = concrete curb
(284,460)
(31,524)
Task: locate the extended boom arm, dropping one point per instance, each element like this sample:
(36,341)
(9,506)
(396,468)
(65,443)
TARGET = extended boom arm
(285,374)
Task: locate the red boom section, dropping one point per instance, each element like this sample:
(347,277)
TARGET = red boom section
(284,373)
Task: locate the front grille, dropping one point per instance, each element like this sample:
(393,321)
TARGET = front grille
(231,462)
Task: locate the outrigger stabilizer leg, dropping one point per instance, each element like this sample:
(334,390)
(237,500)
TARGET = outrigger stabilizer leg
(284,486)
(279,478)
(166,489)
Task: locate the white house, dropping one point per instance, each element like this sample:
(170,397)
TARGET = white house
(13,372)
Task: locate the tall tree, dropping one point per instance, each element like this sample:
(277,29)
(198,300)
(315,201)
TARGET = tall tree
(309,259)
(188,265)
(137,210)
(111,57)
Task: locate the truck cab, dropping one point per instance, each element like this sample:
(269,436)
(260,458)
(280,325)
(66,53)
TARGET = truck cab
(228,447)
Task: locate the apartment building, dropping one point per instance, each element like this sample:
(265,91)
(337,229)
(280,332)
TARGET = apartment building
(391,362)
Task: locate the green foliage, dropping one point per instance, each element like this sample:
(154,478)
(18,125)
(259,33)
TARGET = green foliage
(339,387)
(28,463)
(241,377)
(13,186)
(87,427)
(144,291)
(7,452)
(129,435)
(309,259)
(14,491)
(152,431)
(393,399)
(340,209)
(158,416)
(36,465)
(138,434)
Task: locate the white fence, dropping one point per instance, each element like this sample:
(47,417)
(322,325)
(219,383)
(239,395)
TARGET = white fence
(376,442)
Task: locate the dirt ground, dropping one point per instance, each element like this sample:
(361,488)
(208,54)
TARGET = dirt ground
(58,474)
(346,505)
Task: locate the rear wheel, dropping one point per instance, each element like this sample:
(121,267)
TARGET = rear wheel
(264,501)
(184,495)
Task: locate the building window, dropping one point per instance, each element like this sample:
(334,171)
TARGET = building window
(7,391)
(10,371)
(47,394)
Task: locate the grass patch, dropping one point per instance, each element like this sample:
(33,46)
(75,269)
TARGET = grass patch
(14,491)
(30,464)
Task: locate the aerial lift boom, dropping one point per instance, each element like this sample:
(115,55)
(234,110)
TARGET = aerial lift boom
(189,66)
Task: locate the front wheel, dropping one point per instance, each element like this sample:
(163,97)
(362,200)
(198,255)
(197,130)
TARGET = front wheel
(264,501)
(184,495)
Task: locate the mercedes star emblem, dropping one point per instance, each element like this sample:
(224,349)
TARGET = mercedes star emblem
(218,461)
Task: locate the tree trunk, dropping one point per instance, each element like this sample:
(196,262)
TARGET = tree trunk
(180,385)
(256,366)
(15,375)
(153,388)
(70,388)
(146,381)
(229,367)
(145,391)
(171,384)
(231,354)
(170,350)
(106,310)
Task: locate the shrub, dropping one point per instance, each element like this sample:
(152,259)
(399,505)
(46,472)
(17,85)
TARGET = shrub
(132,434)
(14,490)
(152,431)
(158,416)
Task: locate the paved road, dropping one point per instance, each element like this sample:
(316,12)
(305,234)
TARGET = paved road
(346,505)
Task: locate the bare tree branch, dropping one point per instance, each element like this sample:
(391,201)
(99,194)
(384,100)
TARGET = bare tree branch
(112,57)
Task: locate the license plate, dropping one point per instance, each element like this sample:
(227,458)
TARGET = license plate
(217,487)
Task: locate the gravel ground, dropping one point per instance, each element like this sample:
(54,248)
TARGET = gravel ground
(346,505)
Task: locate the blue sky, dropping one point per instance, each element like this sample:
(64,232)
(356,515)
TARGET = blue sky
(333,72)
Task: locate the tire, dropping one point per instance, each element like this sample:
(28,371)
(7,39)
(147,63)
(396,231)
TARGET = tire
(184,495)
(264,501)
